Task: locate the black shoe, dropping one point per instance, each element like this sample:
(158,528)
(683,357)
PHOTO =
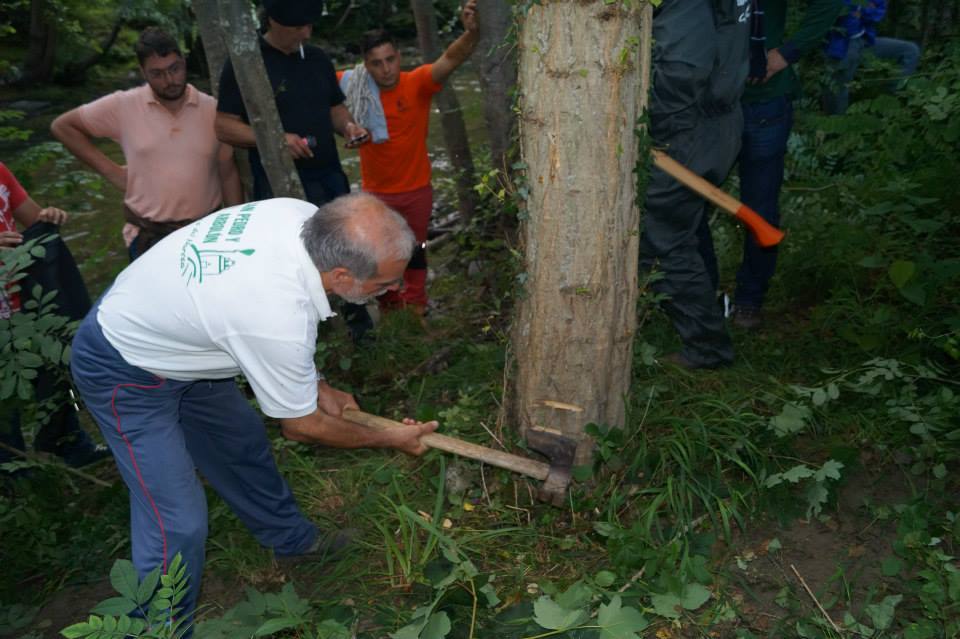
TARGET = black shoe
(328,546)
(747,317)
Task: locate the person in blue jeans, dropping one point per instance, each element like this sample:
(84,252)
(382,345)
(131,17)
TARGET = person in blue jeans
(239,291)
(767,106)
(854,36)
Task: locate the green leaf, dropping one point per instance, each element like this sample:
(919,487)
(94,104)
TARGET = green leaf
(411,631)
(77,630)
(901,271)
(891,566)
(798,472)
(881,614)
(694,596)
(829,470)
(576,596)
(490,593)
(276,625)
(115,606)
(618,622)
(915,293)
(330,629)
(550,615)
(438,625)
(667,605)
(148,586)
(605,578)
(792,419)
(123,578)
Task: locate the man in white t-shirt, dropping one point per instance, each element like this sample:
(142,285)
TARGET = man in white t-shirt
(239,291)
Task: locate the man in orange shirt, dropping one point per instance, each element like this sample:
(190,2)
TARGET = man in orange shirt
(397,169)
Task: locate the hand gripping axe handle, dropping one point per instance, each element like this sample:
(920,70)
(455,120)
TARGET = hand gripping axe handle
(765,234)
(555,446)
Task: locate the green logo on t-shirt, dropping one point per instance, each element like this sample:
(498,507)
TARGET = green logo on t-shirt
(198,263)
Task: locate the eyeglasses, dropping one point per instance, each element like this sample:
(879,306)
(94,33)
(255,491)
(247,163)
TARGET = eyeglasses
(173,70)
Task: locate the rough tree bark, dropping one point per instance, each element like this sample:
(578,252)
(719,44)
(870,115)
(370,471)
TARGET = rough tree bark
(582,90)
(451,117)
(498,77)
(214,45)
(240,33)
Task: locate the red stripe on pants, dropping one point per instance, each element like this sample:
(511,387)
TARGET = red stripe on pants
(136,466)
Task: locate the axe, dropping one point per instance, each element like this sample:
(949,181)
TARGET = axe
(765,234)
(556,447)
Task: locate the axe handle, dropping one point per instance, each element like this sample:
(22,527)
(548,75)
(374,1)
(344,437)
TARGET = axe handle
(516,463)
(765,234)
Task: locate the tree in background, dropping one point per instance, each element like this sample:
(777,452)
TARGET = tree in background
(497,61)
(451,117)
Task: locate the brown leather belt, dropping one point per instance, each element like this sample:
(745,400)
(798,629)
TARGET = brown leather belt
(152,232)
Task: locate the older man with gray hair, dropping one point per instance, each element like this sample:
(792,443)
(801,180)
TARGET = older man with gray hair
(239,291)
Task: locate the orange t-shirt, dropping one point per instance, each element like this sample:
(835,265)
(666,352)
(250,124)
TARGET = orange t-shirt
(401,164)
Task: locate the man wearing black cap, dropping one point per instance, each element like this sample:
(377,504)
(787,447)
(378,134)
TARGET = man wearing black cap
(311,108)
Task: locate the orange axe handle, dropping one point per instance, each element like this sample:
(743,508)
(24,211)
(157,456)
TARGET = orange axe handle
(765,234)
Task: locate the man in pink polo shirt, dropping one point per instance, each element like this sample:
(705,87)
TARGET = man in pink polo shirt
(176,170)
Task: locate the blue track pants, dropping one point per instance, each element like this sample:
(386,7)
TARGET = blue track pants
(162,432)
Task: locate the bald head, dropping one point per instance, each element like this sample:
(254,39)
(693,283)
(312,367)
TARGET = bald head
(357,232)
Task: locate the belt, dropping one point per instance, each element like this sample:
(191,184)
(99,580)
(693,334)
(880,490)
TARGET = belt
(151,231)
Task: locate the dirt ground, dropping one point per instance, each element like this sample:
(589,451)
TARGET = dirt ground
(837,556)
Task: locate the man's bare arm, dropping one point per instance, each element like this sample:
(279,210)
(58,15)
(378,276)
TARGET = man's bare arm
(461,48)
(69,129)
(230,185)
(346,126)
(321,428)
(232,130)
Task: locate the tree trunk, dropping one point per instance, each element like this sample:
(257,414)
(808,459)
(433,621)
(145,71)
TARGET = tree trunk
(214,47)
(240,32)
(498,77)
(38,65)
(582,89)
(75,73)
(451,118)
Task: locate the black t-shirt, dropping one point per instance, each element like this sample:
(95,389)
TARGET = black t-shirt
(304,90)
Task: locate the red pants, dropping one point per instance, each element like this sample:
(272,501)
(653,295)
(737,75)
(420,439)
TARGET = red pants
(415,207)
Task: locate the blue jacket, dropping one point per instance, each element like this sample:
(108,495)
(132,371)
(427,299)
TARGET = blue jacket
(860,21)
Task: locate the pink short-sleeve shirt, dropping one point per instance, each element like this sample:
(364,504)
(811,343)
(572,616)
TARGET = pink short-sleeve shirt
(172,168)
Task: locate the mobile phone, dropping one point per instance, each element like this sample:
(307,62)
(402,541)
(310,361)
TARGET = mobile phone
(358,139)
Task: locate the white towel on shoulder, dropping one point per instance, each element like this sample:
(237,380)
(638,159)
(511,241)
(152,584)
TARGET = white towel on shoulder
(363,102)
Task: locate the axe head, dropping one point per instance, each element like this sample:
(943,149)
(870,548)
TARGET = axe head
(560,450)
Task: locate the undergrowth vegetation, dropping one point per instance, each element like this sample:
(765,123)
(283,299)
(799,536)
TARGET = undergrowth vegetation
(809,491)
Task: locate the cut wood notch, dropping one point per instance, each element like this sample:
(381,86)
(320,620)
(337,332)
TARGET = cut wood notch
(558,448)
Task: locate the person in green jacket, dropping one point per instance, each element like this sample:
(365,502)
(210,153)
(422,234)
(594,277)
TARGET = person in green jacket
(767,107)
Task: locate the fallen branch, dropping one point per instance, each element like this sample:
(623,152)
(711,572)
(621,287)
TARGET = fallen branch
(49,461)
(815,600)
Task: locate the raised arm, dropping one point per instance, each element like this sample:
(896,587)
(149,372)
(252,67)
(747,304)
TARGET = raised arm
(461,48)
(69,129)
